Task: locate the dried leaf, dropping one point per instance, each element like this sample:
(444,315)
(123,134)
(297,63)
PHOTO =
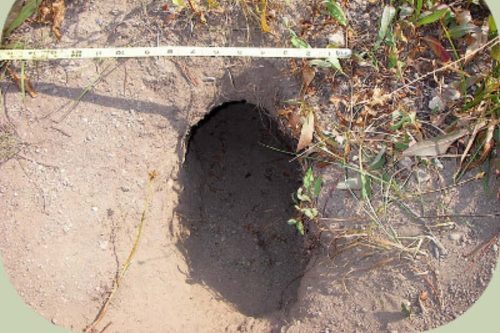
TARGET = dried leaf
(464,17)
(307,132)
(336,11)
(489,144)
(424,296)
(23,83)
(308,74)
(263,17)
(479,38)
(438,49)
(435,146)
(59,10)
(212,4)
(479,126)
(180,4)
(52,12)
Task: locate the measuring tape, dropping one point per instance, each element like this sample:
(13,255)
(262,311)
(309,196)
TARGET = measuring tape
(172,51)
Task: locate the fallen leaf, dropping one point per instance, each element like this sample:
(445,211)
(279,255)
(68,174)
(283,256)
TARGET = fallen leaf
(478,38)
(377,97)
(387,17)
(263,17)
(59,10)
(435,146)
(479,126)
(212,4)
(179,3)
(489,145)
(424,296)
(25,85)
(307,132)
(308,74)
(438,49)
(52,12)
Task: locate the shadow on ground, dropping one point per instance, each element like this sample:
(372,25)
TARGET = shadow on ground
(235,204)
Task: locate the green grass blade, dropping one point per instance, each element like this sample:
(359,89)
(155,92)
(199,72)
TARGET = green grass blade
(336,11)
(26,11)
(432,17)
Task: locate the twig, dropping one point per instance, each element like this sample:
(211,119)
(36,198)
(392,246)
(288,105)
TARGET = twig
(476,177)
(482,248)
(117,281)
(460,215)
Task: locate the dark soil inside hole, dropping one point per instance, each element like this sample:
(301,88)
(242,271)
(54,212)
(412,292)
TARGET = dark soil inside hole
(235,202)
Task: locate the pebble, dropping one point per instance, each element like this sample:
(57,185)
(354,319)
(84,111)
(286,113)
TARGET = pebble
(337,39)
(436,103)
(103,245)
(95,209)
(422,176)
(455,236)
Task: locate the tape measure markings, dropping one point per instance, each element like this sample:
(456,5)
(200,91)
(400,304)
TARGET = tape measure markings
(172,51)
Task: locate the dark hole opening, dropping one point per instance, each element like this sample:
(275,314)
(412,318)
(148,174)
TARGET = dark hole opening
(235,202)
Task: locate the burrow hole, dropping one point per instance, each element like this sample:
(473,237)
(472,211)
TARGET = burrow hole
(235,202)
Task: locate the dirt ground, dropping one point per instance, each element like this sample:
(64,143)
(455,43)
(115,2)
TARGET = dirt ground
(216,253)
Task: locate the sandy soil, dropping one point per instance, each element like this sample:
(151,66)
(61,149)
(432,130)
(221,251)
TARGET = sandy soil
(216,253)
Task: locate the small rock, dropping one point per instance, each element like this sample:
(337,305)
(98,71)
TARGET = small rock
(437,104)
(103,245)
(455,236)
(125,189)
(422,176)
(495,248)
(53,321)
(95,209)
(337,39)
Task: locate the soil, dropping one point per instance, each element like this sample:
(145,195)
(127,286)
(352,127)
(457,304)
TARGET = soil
(216,253)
